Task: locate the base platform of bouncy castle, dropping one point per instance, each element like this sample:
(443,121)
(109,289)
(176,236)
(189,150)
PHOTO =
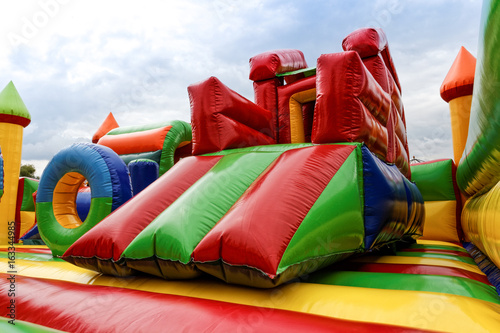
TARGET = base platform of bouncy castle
(429,286)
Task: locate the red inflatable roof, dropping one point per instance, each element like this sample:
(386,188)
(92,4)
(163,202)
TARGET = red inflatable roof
(460,79)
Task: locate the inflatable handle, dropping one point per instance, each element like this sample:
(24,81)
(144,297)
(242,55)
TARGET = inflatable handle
(56,212)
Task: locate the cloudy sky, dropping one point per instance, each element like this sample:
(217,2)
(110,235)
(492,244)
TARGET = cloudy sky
(75,61)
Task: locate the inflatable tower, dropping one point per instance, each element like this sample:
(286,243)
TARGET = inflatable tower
(14,117)
(457,91)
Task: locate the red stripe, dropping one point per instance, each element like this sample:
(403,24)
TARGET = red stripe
(87,308)
(13,119)
(413,269)
(257,229)
(112,235)
(28,250)
(439,251)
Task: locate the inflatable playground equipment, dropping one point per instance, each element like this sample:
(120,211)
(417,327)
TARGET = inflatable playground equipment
(299,211)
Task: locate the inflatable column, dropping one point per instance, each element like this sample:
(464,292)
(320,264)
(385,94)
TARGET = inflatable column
(14,116)
(457,91)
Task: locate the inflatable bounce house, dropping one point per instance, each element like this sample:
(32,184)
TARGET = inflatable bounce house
(297,212)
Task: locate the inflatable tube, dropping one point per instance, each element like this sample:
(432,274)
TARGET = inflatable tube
(56,211)
(163,142)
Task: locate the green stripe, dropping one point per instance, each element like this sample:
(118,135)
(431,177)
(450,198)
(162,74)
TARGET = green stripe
(149,155)
(139,128)
(466,260)
(415,282)
(23,327)
(30,186)
(310,71)
(267,148)
(31,256)
(275,148)
(174,233)
(437,247)
(324,231)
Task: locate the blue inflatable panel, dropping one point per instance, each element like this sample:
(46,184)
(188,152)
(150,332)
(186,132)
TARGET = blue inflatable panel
(390,201)
(142,173)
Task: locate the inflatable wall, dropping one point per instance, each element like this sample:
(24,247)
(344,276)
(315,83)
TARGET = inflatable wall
(443,206)
(478,173)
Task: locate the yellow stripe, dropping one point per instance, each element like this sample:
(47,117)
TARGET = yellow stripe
(420,261)
(296,118)
(21,246)
(422,310)
(436,242)
(50,270)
